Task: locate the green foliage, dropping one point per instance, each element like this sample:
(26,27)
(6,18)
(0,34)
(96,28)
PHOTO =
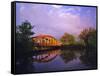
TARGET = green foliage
(24,30)
(79,42)
(88,36)
(92,39)
(23,39)
(67,39)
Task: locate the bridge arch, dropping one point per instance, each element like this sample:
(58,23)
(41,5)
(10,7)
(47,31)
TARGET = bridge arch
(46,40)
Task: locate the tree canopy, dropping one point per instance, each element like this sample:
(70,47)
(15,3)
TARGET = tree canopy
(23,38)
(67,39)
(89,36)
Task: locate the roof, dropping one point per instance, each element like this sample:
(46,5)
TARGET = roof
(43,36)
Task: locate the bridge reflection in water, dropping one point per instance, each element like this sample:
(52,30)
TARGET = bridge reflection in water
(58,60)
(50,55)
(47,56)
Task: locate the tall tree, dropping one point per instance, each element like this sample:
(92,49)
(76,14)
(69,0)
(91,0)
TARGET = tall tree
(24,47)
(89,36)
(23,38)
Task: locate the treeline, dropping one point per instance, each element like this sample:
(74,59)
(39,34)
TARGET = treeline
(24,43)
(87,37)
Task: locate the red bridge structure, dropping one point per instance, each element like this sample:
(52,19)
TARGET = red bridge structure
(46,40)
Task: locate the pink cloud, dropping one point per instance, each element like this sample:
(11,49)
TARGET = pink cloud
(54,21)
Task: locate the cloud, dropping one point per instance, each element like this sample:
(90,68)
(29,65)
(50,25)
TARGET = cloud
(56,6)
(53,19)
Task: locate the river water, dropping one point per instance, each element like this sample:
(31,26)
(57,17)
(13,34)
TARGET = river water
(60,60)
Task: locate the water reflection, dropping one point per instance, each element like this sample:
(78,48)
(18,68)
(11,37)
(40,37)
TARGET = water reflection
(63,59)
(46,56)
(59,60)
(90,57)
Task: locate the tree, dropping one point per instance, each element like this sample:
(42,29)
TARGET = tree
(23,38)
(24,46)
(88,36)
(25,30)
(67,39)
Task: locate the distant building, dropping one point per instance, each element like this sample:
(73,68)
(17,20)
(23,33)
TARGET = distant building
(46,40)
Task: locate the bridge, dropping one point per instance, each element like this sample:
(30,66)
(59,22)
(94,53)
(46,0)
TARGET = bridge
(46,41)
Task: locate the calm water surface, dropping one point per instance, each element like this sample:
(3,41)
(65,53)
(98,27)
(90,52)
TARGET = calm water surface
(59,60)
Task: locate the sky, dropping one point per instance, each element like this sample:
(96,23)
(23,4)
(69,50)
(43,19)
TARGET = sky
(55,20)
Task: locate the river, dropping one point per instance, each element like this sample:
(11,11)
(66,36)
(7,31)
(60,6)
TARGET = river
(58,60)
(61,60)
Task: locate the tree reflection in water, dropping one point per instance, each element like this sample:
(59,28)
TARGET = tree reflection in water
(67,55)
(60,59)
(87,56)
(90,57)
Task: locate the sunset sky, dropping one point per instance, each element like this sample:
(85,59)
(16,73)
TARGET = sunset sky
(56,19)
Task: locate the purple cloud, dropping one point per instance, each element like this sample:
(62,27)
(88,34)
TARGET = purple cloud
(56,20)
